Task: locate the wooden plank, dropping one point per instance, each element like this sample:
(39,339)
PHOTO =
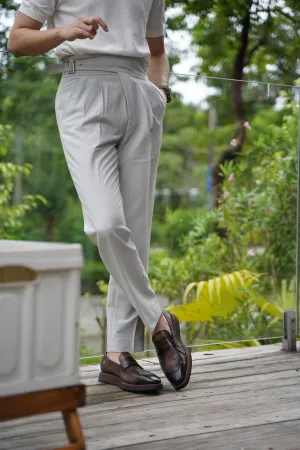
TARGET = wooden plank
(149,430)
(139,432)
(235,358)
(207,390)
(189,405)
(263,349)
(208,366)
(239,353)
(222,377)
(236,353)
(281,356)
(104,393)
(134,401)
(70,447)
(202,374)
(42,402)
(225,367)
(121,399)
(112,401)
(220,355)
(187,412)
(282,436)
(110,394)
(242,351)
(229,398)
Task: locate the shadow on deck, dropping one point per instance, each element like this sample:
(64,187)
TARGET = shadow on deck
(239,399)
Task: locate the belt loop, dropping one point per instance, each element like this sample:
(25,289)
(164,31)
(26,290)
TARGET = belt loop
(71,66)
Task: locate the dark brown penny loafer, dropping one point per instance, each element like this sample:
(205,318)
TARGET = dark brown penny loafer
(174,357)
(128,375)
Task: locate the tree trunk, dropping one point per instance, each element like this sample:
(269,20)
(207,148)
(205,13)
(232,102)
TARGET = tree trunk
(50,228)
(238,140)
(18,193)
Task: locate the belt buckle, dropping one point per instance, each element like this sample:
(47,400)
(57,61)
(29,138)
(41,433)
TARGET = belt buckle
(71,66)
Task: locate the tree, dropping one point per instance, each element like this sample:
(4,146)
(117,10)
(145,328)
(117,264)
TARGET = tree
(7,7)
(12,216)
(244,39)
(27,97)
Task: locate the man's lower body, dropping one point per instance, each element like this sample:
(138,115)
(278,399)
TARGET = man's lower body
(110,122)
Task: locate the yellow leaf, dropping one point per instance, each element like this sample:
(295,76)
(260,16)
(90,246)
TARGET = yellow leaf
(220,296)
(187,291)
(211,291)
(218,289)
(200,288)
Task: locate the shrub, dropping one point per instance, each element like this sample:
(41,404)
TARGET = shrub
(12,215)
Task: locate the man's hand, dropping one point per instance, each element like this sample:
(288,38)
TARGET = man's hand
(26,39)
(158,71)
(83,28)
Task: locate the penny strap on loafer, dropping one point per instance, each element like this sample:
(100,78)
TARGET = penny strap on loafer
(126,361)
(167,350)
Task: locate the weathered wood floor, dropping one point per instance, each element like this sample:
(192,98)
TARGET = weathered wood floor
(243,399)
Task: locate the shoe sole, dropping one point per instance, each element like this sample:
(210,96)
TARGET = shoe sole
(111,379)
(175,328)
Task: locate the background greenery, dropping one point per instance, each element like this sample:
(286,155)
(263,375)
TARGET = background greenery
(242,140)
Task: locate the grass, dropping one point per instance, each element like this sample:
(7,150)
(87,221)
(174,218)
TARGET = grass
(90,360)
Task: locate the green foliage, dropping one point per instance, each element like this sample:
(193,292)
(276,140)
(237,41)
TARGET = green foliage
(178,223)
(37,140)
(90,360)
(254,229)
(180,147)
(220,345)
(257,215)
(12,215)
(258,206)
(286,298)
(202,254)
(92,271)
(169,276)
(217,28)
(85,352)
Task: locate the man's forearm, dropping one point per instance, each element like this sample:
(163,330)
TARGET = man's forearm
(159,69)
(26,42)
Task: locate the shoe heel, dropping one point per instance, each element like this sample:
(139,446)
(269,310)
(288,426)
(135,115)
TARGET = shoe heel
(104,378)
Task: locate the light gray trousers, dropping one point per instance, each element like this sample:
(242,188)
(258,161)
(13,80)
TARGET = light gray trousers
(110,122)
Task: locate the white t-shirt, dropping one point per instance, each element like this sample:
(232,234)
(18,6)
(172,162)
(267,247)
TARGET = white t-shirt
(129,23)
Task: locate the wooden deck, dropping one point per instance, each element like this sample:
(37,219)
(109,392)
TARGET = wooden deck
(243,399)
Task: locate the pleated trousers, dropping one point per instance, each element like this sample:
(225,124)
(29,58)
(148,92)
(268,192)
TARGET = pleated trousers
(110,118)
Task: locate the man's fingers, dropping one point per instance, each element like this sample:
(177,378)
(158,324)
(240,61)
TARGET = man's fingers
(96,20)
(88,28)
(92,22)
(83,34)
(95,25)
(102,23)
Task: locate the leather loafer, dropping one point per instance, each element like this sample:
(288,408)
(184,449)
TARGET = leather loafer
(128,375)
(174,357)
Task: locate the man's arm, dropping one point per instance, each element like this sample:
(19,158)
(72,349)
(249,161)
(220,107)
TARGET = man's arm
(159,69)
(27,39)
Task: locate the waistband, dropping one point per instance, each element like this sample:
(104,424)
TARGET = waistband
(101,63)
